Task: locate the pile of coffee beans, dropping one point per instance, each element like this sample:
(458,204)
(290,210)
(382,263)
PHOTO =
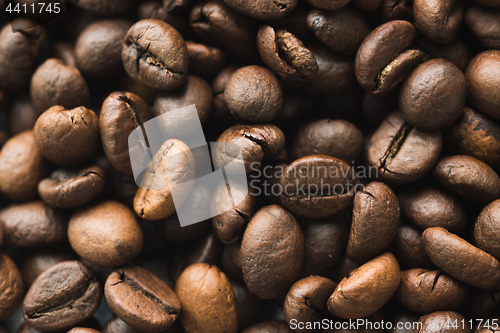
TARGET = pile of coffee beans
(368,133)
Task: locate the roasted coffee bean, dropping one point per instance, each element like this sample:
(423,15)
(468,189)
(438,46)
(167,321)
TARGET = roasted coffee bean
(472,179)
(155,55)
(460,259)
(305,303)
(406,319)
(22,115)
(11,287)
(325,242)
(344,269)
(231,261)
(437,322)
(37,261)
(438,20)
(317,186)
(55,83)
(67,137)
(428,207)
(61,297)
(83,330)
(156,10)
(98,48)
(263,9)
(328,4)
(336,138)
(220,113)
(392,10)
(375,220)
(141,299)
(249,306)
(120,114)
(107,7)
(272,229)
(66,52)
(367,289)
(424,291)
(485,25)
(402,153)
(205,60)
(386,56)
(479,304)
(433,95)
(208,302)
(106,233)
(270,326)
(486,229)
(482,82)
(457,52)
(342,30)
(72,188)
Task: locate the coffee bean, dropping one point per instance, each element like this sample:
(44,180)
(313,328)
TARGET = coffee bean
(61,297)
(428,207)
(72,188)
(37,261)
(485,229)
(458,52)
(392,10)
(367,289)
(11,288)
(249,306)
(231,262)
(328,4)
(479,304)
(305,303)
(22,115)
(472,179)
(270,326)
(106,233)
(208,302)
(271,229)
(438,20)
(141,299)
(205,60)
(460,259)
(107,7)
(406,319)
(408,249)
(433,95)
(386,56)
(437,322)
(66,52)
(82,330)
(344,269)
(155,55)
(375,220)
(485,25)
(263,9)
(483,81)
(424,291)
(402,153)
(220,113)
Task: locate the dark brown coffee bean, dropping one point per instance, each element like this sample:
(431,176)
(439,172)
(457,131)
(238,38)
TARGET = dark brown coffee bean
(61,297)
(479,304)
(249,306)
(439,321)
(317,186)
(476,135)
(11,288)
(22,115)
(336,138)
(156,202)
(21,168)
(208,302)
(385,57)
(231,262)
(402,153)
(392,10)
(66,52)
(460,259)
(67,137)
(428,207)
(367,289)
(107,7)
(124,187)
(438,20)
(72,188)
(270,326)
(55,83)
(485,25)
(37,261)
(407,247)
(263,9)
(483,81)
(328,4)
(155,55)
(83,330)
(344,269)
(156,10)
(486,229)
(120,114)
(375,220)
(433,95)
(325,241)
(342,30)
(457,52)
(98,48)
(116,325)
(205,60)
(141,299)
(424,291)
(220,113)
(106,233)
(472,179)
(271,229)
(305,303)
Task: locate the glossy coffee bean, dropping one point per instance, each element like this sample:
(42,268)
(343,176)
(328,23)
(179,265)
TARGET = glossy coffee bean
(220,113)
(205,60)
(375,220)
(328,4)
(367,289)
(386,56)
(208,302)
(83,330)
(72,188)
(401,152)
(470,178)
(155,55)
(106,233)
(11,287)
(485,25)
(271,229)
(55,83)
(438,20)
(67,137)
(37,261)
(433,95)
(458,52)
(305,303)
(428,207)
(424,291)
(107,7)
(61,297)
(437,322)
(263,9)
(460,259)
(482,82)
(486,229)
(141,299)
